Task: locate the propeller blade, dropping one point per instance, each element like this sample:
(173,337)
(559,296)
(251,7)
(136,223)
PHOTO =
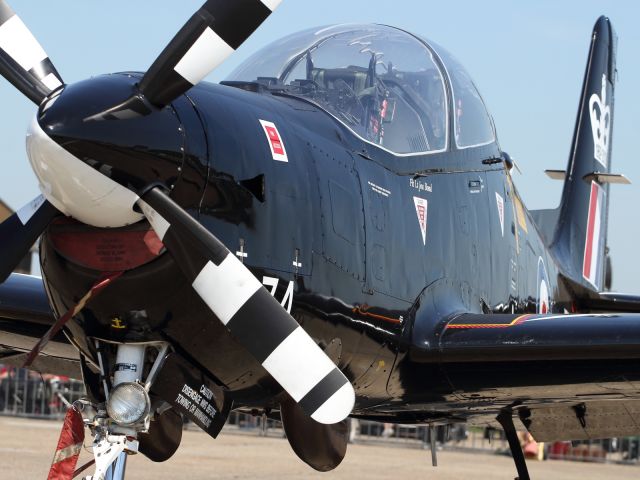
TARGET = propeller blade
(250,313)
(212,34)
(20,231)
(23,61)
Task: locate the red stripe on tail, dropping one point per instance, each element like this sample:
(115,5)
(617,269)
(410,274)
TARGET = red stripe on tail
(591,222)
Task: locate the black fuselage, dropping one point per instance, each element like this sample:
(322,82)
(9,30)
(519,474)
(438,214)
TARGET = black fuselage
(339,222)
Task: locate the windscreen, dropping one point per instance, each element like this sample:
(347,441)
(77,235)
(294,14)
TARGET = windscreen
(379,81)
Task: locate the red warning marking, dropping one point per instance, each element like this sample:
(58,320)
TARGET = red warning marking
(276,144)
(105,280)
(69,447)
(275,140)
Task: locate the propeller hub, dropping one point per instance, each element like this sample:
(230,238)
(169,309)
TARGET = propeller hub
(92,165)
(75,188)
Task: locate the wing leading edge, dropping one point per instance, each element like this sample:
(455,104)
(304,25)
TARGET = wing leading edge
(500,337)
(25,316)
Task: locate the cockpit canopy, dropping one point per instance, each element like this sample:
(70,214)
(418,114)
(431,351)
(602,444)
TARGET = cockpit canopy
(386,85)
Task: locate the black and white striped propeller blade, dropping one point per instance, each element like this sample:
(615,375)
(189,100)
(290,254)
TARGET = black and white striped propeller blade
(250,313)
(20,231)
(212,34)
(23,61)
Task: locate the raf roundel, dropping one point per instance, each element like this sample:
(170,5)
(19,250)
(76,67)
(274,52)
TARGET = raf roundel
(544,299)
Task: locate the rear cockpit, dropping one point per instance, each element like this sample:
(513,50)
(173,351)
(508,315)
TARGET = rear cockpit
(386,85)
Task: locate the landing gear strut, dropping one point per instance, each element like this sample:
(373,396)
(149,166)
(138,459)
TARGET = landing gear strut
(111,459)
(505,418)
(117,423)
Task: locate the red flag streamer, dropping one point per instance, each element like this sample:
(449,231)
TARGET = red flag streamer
(100,285)
(69,447)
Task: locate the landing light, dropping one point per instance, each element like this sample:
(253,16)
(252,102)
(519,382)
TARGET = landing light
(128,404)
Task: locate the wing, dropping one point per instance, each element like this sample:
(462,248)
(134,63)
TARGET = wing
(25,316)
(569,377)
(613,302)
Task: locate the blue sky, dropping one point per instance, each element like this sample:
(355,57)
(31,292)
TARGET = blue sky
(527,58)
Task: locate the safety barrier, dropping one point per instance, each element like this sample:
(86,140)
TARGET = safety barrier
(25,393)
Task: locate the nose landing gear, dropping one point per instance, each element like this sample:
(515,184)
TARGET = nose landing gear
(110,452)
(125,414)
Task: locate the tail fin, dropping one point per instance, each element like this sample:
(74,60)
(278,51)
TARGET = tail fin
(580,236)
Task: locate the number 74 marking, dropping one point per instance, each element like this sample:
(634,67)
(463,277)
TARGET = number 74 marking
(287,300)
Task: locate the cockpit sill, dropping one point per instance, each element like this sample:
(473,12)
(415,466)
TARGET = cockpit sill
(275,87)
(391,89)
(447,160)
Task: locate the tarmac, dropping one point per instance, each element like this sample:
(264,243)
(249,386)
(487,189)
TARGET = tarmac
(27,447)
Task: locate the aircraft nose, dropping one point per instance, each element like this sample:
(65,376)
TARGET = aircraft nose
(74,187)
(92,167)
